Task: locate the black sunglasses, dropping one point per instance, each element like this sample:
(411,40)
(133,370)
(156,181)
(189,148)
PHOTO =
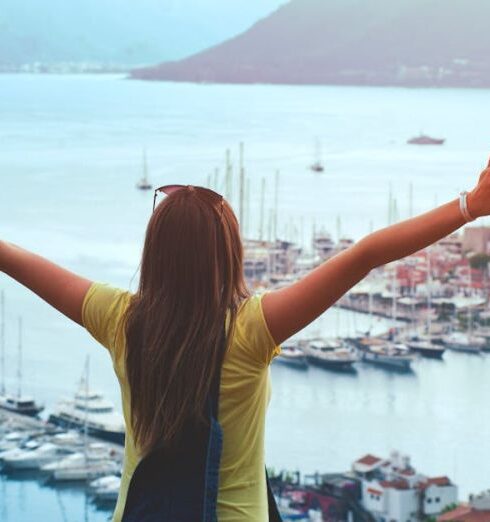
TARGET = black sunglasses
(208,193)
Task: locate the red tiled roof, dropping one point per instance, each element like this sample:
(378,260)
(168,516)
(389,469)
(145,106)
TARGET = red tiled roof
(407,472)
(395,484)
(368,460)
(438,481)
(464,513)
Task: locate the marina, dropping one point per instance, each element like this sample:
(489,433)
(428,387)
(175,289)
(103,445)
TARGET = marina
(373,488)
(318,419)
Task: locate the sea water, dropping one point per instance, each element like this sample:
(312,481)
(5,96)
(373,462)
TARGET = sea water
(71,152)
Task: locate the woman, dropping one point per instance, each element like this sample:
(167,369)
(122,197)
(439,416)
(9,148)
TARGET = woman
(193,347)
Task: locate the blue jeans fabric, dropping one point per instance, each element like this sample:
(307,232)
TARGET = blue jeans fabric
(180,484)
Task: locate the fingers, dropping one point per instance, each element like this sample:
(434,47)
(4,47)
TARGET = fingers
(488,166)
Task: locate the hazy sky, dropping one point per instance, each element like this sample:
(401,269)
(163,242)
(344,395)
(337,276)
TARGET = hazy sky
(119,30)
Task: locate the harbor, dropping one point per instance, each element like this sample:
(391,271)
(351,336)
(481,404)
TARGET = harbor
(319,419)
(32,450)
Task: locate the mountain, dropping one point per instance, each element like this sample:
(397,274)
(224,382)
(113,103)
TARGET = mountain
(119,31)
(379,42)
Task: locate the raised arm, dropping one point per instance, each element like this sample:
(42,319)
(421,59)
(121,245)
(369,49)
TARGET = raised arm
(60,288)
(290,309)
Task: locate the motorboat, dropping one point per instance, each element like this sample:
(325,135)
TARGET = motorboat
(330,353)
(389,355)
(29,445)
(292,356)
(90,412)
(20,404)
(426,348)
(105,489)
(33,458)
(95,461)
(464,342)
(423,139)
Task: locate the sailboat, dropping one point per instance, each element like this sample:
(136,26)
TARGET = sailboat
(424,345)
(144,183)
(15,403)
(465,341)
(317,165)
(388,353)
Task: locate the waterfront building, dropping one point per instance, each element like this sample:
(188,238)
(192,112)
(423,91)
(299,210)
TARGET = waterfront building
(392,490)
(476,510)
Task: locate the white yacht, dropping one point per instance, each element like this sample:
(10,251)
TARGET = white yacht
(464,342)
(389,355)
(20,404)
(32,458)
(11,440)
(105,489)
(330,353)
(80,467)
(292,356)
(30,445)
(91,412)
(90,409)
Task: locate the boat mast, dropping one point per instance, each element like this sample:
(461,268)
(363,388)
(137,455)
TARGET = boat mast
(370,307)
(390,205)
(241,194)
(393,292)
(85,421)
(262,210)
(228,177)
(2,341)
(410,200)
(19,367)
(216,180)
(429,297)
(276,197)
(470,314)
(247,207)
(145,167)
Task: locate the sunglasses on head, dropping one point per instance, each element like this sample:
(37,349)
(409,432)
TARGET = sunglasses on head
(213,196)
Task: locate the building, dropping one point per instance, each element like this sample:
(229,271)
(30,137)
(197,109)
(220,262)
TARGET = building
(393,491)
(476,240)
(476,510)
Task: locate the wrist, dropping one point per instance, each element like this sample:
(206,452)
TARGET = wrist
(472,206)
(2,255)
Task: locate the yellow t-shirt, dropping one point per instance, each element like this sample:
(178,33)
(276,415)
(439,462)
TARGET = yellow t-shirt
(244,395)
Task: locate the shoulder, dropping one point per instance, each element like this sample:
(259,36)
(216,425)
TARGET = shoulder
(252,332)
(102,310)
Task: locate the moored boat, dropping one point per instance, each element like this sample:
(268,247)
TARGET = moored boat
(91,412)
(330,353)
(423,139)
(464,342)
(292,356)
(17,403)
(426,348)
(32,458)
(389,355)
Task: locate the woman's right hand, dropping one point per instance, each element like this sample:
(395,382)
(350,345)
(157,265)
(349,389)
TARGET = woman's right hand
(478,199)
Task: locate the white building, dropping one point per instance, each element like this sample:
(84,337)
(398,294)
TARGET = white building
(393,491)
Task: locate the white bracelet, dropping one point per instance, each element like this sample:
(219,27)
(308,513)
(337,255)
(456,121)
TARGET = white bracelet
(463,206)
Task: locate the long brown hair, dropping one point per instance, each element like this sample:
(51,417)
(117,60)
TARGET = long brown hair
(191,275)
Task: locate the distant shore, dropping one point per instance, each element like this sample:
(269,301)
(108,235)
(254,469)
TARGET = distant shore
(143,73)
